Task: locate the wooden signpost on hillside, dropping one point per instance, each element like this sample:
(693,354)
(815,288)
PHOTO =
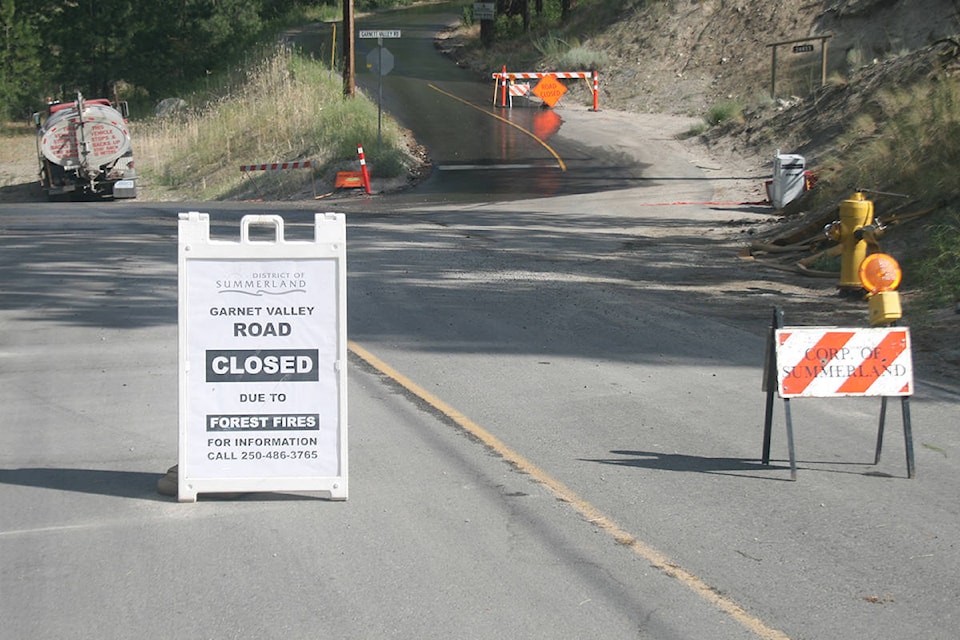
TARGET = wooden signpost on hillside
(799,48)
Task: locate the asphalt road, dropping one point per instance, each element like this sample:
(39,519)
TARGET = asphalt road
(478,150)
(549,443)
(439,538)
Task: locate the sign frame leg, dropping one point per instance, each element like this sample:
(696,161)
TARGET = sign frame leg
(880,428)
(790,447)
(770,382)
(908,436)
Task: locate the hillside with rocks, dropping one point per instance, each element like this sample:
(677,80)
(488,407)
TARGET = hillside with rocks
(685,57)
(700,54)
(689,56)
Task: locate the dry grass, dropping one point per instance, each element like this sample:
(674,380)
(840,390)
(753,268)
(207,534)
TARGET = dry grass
(18,154)
(906,140)
(287,108)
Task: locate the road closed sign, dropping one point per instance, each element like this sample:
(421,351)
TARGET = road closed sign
(262,359)
(550,90)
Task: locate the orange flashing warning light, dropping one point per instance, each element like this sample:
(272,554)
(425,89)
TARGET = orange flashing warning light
(880,272)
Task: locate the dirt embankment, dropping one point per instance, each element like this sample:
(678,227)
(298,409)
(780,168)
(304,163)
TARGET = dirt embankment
(685,57)
(688,56)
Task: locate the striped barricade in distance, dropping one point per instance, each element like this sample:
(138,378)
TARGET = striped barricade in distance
(534,75)
(276,166)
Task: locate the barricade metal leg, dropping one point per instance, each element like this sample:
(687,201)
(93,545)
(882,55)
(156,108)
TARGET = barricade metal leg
(793,457)
(767,427)
(908,435)
(883,419)
(770,382)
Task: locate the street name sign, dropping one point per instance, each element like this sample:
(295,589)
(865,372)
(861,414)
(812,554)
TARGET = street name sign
(385,33)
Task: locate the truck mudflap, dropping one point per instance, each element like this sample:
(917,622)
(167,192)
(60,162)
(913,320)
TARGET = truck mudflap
(125,189)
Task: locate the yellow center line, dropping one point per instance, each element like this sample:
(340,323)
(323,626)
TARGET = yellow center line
(581,506)
(563,166)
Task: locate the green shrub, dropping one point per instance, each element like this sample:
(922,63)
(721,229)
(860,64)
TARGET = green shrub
(938,273)
(729,110)
(583,59)
(288,107)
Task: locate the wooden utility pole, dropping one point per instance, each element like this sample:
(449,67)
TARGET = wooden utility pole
(349,65)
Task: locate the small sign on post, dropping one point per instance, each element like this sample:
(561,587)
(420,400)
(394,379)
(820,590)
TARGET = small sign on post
(380,62)
(484,10)
(801,45)
(379,34)
(262,353)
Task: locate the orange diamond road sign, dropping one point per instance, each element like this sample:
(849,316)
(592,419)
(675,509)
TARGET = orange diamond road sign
(550,90)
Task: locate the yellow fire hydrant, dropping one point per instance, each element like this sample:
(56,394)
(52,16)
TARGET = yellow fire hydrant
(855,213)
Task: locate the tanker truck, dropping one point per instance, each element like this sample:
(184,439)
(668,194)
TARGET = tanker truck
(84,150)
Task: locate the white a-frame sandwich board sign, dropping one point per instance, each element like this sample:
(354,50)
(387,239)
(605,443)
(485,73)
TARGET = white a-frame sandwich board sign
(263,359)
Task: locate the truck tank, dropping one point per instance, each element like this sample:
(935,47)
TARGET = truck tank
(84,148)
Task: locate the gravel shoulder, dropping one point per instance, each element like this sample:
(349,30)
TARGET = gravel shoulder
(715,272)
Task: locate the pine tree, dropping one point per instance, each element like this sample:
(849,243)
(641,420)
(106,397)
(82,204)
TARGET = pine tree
(20,69)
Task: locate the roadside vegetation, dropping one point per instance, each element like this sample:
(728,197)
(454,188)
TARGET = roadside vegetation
(237,97)
(285,107)
(903,135)
(903,148)
(133,50)
(550,37)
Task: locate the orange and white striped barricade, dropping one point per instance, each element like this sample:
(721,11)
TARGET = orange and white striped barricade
(506,81)
(275,166)
(833,362)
